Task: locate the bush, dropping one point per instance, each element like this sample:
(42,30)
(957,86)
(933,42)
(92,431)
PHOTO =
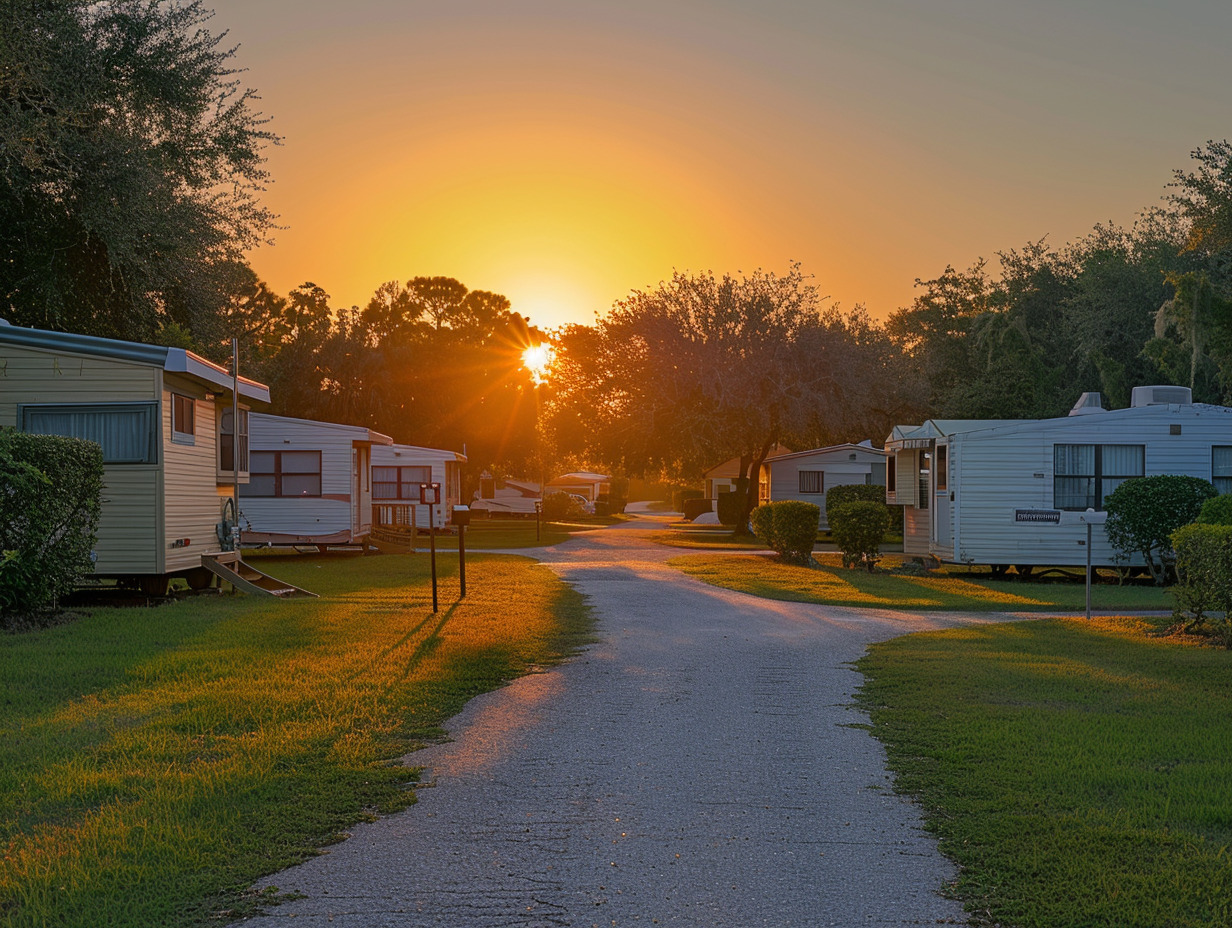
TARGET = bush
(1204,578)
(1145,511)
(561,507)
(1217,510)
(681,497)
(858,529)
(846,493)
(789,528)
(50,490)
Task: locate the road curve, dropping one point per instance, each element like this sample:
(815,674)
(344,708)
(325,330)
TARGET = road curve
(699,766)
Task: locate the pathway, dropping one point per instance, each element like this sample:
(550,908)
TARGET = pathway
(697,767)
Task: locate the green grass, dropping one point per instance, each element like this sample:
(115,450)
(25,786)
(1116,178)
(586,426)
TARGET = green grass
(711,537)
(155,762)
(946,589)
(1078,775)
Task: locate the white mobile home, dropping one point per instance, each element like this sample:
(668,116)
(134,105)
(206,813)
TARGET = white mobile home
(808,475)
(310,482)
(163,417)
(722,477)
(1015,492)
(397,472)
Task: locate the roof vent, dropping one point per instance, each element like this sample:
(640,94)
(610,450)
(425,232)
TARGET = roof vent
(1087,404)
(5,322)
(1161,396)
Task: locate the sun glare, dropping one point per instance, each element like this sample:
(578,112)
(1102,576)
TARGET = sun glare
(538,360)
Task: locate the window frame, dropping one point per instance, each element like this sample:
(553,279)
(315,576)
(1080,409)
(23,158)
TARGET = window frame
(412,486)
(182,404)
(1222,481)
(815,487)
(226,441)
(149,410)
(1098,476)
(278,474)
(941,469)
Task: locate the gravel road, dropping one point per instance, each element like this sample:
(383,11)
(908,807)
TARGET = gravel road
(700,766)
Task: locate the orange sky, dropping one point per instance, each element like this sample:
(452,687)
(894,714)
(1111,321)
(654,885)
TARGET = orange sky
(564,153)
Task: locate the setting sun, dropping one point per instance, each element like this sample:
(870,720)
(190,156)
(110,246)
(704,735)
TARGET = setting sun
(538,360)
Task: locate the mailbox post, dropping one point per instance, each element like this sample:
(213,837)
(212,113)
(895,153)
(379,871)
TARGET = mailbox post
(430,495)
(538,513)
(1091,517)
(462,518)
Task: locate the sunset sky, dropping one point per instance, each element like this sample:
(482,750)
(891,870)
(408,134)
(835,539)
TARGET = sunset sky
(565,152)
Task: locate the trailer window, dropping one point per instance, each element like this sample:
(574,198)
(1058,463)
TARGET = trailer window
(890,473)
(183,419)
(227,442)
(943,468)
(127,432)
(285,474)
(399,482)
(812,481)
(1221,468)
(1084,475)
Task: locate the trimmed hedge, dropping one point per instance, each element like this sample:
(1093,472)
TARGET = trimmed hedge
(1204,578)
(694,508)
(1217,510)
(561,507)
(681,497)
(789,528)
(858,529)
(50,496)
(1145,511)
(728,506)
(846,493)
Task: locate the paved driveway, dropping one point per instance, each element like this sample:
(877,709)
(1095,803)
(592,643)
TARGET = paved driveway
(697,767)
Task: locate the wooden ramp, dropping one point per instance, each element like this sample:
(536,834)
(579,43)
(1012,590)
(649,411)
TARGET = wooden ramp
(243,576)
(391,540)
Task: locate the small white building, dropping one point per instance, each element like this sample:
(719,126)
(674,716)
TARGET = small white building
(587,485)
(808,475)
(310,482)
(1015,492)
(397,472)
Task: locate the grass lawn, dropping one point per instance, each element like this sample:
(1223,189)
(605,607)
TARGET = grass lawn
(952,588)
(706,537)
(1077,774)
(155,762)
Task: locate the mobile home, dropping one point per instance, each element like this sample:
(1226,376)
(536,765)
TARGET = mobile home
(722,477)
(397,472)
(1021,491)
(808,475)
(310,483)
(163,417)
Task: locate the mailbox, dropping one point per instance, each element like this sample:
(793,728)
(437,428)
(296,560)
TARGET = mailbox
(430,493)
(461,515)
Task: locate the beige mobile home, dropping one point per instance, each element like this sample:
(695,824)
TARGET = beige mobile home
(397,472)
(163,419)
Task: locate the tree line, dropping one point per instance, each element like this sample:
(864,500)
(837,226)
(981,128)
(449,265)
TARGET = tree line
(131,169)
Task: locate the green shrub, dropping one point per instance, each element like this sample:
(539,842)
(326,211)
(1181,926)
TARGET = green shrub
(1145,511)
(858,530)
(1217,510)
(789,528)
(1204,578)
(846,493)
(561,507)
(681,497)
(50,489)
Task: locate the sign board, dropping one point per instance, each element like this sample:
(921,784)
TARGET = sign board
(430,493)
(1038,516)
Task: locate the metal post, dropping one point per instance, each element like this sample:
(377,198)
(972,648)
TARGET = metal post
(538,511)
(235,437)
(1088,571)
(432,540)
(462,560)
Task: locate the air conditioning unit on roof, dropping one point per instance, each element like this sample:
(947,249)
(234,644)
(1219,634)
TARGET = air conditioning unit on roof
(1161,396)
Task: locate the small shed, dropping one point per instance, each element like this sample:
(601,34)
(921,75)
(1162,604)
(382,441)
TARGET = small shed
(1016,492)
(163,417)
(310,482)
(808,475)
(397,472)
